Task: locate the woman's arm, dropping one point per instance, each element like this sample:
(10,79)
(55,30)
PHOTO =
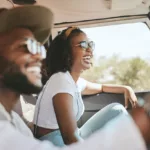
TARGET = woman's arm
(94,88)
(63,107)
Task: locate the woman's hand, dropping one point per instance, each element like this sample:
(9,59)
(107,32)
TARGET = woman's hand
(129,95)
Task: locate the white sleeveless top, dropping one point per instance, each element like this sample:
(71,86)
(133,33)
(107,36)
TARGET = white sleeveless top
(58,83)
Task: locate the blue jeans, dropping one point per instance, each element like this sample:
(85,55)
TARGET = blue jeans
(95,123)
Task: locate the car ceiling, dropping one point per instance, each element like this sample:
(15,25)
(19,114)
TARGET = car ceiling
(77,10)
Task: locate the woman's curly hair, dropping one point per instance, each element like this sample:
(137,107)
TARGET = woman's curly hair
(59,54)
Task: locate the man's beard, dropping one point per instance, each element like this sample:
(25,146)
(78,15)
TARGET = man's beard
(14,79)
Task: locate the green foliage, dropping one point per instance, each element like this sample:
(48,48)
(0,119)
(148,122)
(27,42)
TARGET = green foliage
(134,72)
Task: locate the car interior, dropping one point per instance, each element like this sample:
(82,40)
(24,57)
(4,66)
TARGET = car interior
(88,14)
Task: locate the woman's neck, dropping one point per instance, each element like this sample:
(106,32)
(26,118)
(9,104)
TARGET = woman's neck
(75,75)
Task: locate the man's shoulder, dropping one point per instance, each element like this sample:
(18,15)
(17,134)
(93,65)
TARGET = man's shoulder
(20,124)
(11,138)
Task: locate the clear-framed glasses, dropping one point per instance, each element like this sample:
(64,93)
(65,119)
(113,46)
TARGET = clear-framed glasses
(35,47)
(85,45)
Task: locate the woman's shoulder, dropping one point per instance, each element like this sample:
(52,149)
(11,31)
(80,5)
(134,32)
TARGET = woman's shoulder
(59,83)
(59,77)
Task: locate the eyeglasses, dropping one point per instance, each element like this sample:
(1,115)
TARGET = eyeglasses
(85,45)
(35,47)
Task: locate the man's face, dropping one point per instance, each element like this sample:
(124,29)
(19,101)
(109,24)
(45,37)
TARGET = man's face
(20,70)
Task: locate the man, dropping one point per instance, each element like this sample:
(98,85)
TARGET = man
(22,29)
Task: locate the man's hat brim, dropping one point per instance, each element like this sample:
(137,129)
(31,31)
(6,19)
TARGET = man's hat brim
(38,19)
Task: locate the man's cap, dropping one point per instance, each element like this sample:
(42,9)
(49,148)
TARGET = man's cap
(38,19)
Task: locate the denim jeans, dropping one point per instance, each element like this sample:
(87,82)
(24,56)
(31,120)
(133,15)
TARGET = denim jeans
(96,122)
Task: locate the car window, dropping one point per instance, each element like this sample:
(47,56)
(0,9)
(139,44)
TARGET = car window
(121,56)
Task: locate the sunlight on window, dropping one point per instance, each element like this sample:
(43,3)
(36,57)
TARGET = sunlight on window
(121,55)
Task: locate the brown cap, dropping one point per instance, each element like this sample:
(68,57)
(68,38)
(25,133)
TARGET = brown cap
(38,19)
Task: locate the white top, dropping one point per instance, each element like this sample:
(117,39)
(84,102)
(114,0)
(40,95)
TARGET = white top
(15,120)
(58,83)
(119,134)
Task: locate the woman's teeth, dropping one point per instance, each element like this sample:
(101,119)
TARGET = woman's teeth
(87,59)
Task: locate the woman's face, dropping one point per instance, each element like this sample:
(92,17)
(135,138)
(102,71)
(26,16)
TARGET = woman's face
(82,58)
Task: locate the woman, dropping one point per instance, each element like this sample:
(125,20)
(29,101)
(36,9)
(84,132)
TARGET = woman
(60,104)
